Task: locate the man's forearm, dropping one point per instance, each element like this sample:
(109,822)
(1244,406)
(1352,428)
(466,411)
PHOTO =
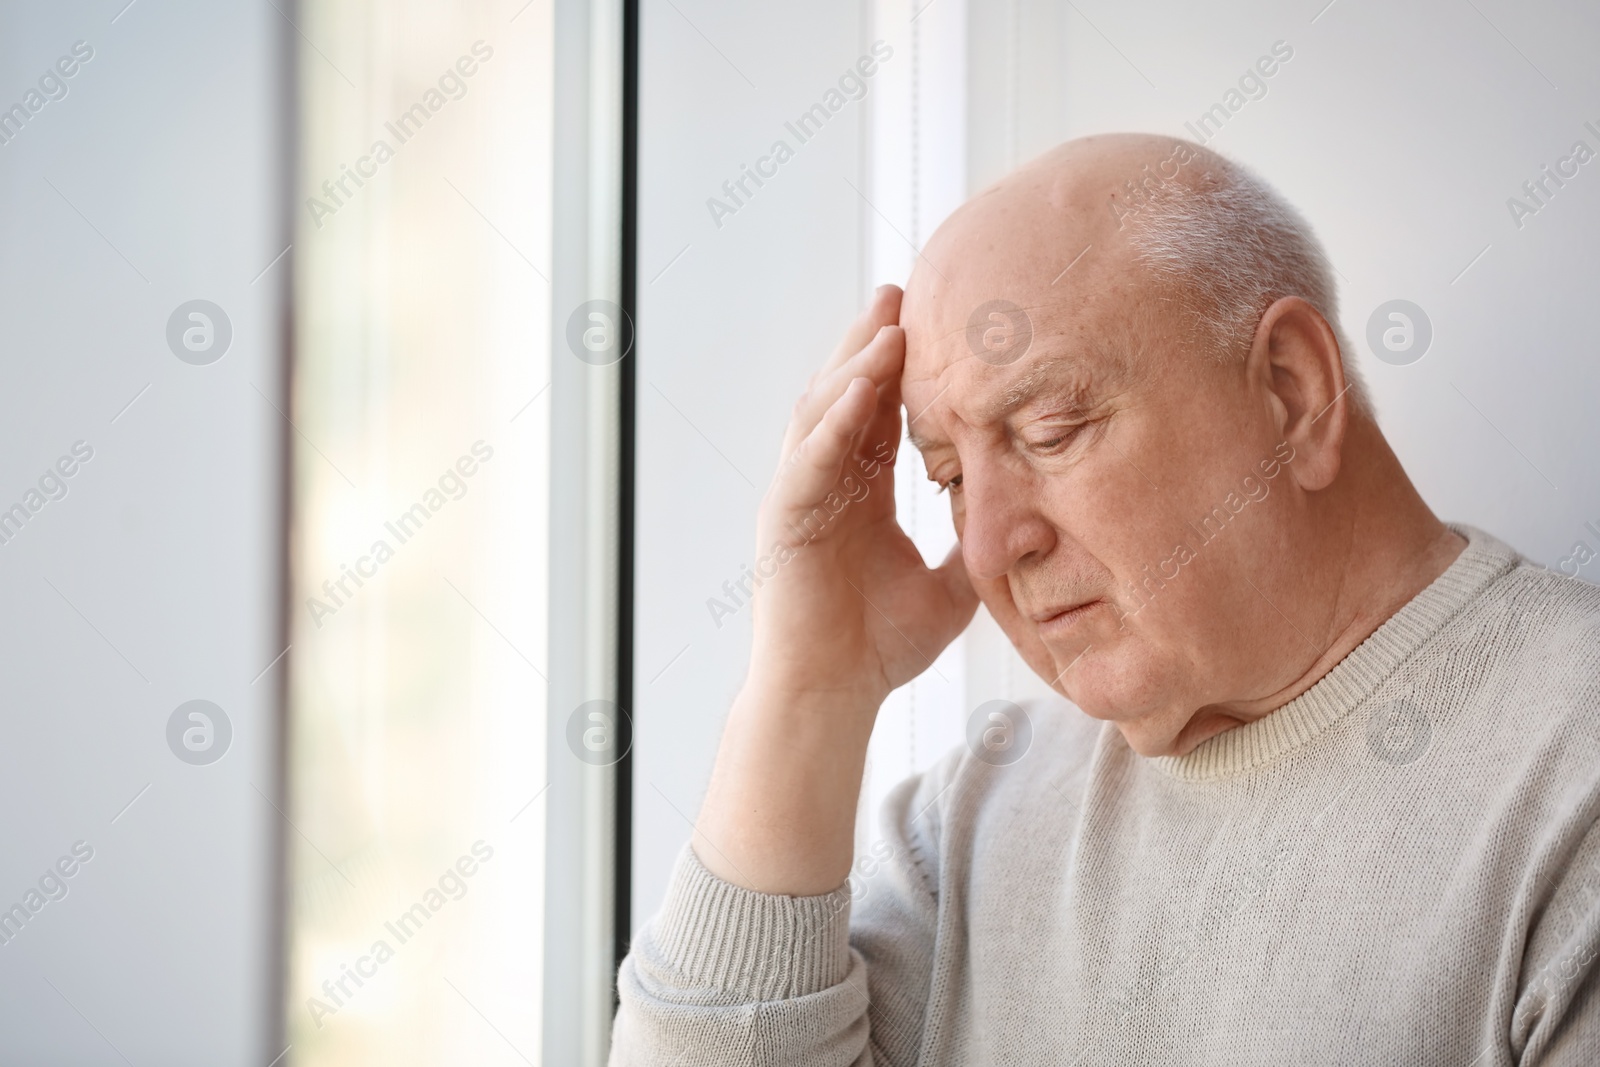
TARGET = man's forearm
(779,815)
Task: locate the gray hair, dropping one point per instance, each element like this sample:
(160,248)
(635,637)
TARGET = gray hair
(1236,246)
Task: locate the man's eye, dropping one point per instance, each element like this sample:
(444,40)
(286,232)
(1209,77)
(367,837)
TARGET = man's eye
(1055,443)
(954,485)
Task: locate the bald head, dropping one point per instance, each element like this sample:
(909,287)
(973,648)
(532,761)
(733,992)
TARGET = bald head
(1200,238)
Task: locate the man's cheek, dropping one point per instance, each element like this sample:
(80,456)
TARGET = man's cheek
(996,596)
(958,515)
(1002,607)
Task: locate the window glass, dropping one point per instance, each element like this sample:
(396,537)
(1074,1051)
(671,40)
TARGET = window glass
(419,490)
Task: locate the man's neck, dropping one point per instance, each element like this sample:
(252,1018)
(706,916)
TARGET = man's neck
(1382,546)
(1387,542)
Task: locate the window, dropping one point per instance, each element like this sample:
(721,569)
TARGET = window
(416,747)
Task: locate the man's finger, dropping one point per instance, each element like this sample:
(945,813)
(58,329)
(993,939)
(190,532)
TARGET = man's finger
(885,425)
(880,362)
(883,310)
(813,469)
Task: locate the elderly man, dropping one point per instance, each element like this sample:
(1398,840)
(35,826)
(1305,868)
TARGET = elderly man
(1340,803)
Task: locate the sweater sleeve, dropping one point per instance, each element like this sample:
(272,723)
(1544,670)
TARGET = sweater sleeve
(1557,1019)
(724,975)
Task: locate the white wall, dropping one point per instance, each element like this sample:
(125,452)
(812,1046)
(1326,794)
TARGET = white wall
(728,334)
(1400,132)
(156,579)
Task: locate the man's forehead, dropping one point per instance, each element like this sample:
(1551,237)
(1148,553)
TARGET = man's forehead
(985,320)
(977,393)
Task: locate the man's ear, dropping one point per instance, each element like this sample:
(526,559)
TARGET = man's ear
(1295,357)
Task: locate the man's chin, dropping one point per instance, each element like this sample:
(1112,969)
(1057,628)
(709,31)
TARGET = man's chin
(1087,665)
(1107,672)
(1147,739)
(1150,726)
(1106,686)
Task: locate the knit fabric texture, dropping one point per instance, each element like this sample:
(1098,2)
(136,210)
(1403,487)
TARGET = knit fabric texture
(1400,866)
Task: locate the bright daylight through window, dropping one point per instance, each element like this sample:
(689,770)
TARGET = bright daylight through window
(416,744)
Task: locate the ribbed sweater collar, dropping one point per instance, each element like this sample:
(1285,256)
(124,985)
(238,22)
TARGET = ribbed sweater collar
(1355,677)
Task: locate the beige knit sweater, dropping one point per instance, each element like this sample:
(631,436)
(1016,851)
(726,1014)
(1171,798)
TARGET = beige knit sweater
(1401,867)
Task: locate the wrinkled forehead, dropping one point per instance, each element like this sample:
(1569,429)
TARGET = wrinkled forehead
(986,337)
(1007,355)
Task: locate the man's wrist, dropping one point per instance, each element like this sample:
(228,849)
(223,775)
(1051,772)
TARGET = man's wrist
(834,706)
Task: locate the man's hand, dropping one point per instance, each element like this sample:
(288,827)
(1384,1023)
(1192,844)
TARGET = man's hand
(846,611)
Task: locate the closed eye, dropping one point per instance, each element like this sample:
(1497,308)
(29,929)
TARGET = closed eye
(1054,444)
(1060,438)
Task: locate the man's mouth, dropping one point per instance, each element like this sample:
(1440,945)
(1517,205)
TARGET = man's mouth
(1058,620)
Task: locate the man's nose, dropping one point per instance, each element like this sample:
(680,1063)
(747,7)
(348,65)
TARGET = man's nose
(1003,521)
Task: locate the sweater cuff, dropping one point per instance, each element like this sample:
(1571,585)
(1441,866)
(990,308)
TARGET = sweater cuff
(755,946)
